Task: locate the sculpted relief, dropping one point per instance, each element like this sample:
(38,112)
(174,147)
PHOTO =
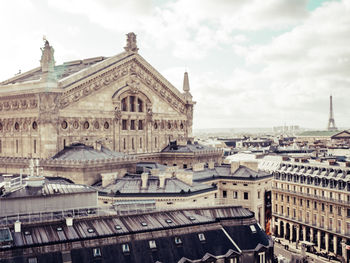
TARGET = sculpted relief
(137,75)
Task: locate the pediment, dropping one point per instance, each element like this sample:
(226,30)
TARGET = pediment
(343,134)
(125,70)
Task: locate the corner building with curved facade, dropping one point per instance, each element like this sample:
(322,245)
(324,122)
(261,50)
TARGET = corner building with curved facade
(120,102)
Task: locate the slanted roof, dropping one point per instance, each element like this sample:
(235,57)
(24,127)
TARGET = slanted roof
(317,133)
(188,148)
(81,152)
(130,185)
(224,172)
(60,71)
(341,135)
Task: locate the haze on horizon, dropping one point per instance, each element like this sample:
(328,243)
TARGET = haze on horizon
(250,63)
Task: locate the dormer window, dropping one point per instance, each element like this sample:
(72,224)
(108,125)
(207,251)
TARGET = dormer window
(169,221)
(201,237)
(96,252)
(252,228)
(125,248)
(90,230)
(117,227)
(59,229)
(152,244)
(178,241)
(144,224)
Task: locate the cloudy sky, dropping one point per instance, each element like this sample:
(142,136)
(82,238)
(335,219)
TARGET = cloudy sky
(251,63)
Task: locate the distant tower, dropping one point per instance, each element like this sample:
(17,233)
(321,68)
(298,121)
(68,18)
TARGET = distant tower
(331,123)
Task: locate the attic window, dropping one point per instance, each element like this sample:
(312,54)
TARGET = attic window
(201,237)
(32,260)
(152,244)
(178,241)
(143,224)
(90,230)
(125,248)
(252,228)
(59,229)
(117,227)
(97,252)
(169,221)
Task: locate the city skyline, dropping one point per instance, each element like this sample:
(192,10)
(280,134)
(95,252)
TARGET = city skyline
(250,65)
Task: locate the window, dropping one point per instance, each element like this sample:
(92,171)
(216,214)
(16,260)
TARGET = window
(307,203)
(132,103)
(35,146)
(152,244)
(294,201)
(330,226)
(155,142)
(90,230)
(133,143)
(59,229)
(140,105)
(339,226)
(192,218)
(287,211)
(287,199)
(339,211)
(252,228)
(315,205)
(16,146)
(96,252)
(261,257)
(224,194)
(124,106)
(124,125)
(201,237)
(301,201)
(258,194)
(169,221)
(86,125)
(140,126)
(322,206)
(0,147)
(140,143)
(124,144)
(331,209)
(32,260)
(125,248)
(245,195)
(177,240)
(235,194)
(132,125)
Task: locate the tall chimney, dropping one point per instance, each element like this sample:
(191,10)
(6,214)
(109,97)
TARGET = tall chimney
(161,181)
(69,221)
(17,226)
(144,179)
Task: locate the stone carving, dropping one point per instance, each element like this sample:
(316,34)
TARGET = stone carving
(138,74)
(133,83)
(48,102)
(131,45)
(117,111)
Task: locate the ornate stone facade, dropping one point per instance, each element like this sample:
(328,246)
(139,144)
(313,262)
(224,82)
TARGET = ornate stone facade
(121,102)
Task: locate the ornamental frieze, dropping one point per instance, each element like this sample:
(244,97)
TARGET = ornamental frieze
(133,68)
(19,104)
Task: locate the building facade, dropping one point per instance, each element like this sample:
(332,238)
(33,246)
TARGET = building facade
(121,102)
(311,202)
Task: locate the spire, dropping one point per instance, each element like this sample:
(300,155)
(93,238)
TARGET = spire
(131,45)
(186,87)
(331,122)
(47,59)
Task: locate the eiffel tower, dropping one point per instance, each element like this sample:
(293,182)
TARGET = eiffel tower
(331,122)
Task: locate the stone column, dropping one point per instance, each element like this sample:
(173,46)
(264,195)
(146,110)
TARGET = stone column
(285,229)
(304,233)
(343,247)
(335,248)
(319,239)
(298,234)
(291,231)
(311,234)
(326,236)
(278,228)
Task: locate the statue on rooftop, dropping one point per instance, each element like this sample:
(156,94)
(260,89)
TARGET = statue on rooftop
(131,45)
